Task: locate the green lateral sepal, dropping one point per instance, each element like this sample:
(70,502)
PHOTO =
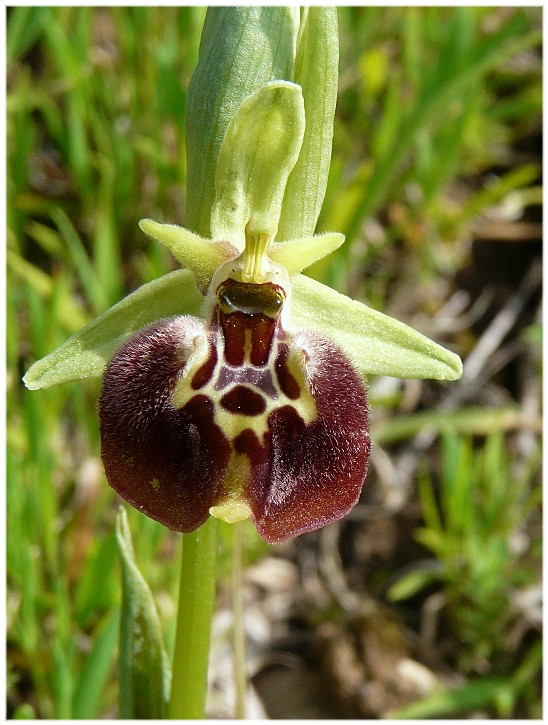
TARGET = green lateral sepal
(86,353)
(376,343)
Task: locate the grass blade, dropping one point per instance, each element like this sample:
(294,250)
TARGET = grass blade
(94,674)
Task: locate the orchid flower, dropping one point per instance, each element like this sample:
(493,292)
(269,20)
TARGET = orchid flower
(235,387)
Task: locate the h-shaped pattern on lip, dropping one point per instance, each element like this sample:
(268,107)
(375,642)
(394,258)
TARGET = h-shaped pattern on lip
(249,371)
(237,417)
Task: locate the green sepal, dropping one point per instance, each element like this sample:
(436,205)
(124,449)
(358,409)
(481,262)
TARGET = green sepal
(376,343)
(145,674)
(86,353)
(242,48)
(259,150)
(298,254)
(317,72)
(201,256)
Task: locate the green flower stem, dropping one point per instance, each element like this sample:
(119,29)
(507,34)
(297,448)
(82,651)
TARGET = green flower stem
(196,604)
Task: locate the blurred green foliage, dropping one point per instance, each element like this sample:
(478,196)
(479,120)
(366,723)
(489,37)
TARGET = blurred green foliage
(487,567)
(431,100)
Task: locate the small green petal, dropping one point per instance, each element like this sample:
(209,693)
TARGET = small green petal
(241,49)
(298,254)
(259,150)
(317,72)
(376,343)
(85,354)
(201,256)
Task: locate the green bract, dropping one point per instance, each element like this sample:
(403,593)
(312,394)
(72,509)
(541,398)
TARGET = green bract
(242,48)
(144,666)
(316,70)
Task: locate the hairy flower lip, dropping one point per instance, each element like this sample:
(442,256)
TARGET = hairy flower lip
(295,463)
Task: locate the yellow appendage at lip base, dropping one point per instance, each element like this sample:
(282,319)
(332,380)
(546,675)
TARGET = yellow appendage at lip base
(233,508)
(231,511)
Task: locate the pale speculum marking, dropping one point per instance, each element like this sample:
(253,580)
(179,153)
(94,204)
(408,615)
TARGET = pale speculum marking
(247,374)
(260,378)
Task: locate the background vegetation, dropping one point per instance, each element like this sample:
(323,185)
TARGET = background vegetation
(435,181)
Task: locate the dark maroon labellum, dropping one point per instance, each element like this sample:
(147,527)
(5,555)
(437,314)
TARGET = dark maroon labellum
(237,412)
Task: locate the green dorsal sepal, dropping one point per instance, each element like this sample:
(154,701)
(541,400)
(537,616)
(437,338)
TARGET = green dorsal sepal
(260,148)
